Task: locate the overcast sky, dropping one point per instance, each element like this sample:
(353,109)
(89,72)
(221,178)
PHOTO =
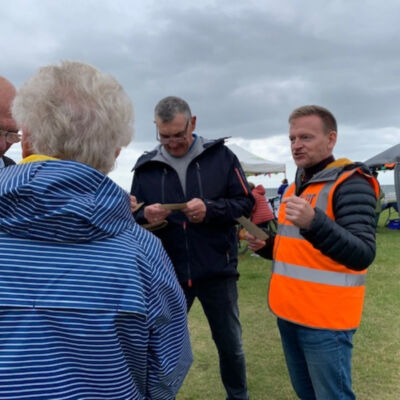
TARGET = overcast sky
(243,66)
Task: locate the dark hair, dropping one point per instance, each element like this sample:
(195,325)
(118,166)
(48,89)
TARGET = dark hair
(328,120)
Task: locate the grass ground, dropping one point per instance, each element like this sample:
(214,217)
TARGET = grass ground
(376,360)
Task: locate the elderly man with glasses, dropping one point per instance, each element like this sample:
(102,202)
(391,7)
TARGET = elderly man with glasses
(197,189)
(8,128)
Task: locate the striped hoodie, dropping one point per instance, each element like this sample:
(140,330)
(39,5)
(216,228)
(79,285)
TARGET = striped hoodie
(90,307)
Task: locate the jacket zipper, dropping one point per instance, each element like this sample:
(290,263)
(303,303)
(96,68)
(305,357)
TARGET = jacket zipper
(241,181)
(199,179)
(163,185)
(184,229)
(198,173)
(189,274)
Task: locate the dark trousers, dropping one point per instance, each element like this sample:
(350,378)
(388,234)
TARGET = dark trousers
(219,299)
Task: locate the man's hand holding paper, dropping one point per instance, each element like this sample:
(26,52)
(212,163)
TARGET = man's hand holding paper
(195,210)
(156,213)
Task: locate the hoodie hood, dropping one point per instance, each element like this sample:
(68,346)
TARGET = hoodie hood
(259,189)
(61,201)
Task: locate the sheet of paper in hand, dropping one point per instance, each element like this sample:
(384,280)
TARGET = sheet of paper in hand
(174,206)
(252,228)
(138,205)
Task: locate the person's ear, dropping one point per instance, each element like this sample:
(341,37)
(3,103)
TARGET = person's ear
(26,145)
(193,123)
(332,139)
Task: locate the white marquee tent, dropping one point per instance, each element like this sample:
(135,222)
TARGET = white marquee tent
(253,164)
(391,157)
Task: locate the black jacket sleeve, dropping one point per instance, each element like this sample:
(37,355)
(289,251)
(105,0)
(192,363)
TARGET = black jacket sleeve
(267,250)
(350,239)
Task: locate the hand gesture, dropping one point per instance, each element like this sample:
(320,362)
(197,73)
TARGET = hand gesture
(299,211)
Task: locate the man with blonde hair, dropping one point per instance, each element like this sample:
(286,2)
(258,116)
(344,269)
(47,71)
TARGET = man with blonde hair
(90,306)
(324,244)
(8,127)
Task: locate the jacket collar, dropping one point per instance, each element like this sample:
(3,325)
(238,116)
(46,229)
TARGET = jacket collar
(156,156)
(331,172)
(36,158)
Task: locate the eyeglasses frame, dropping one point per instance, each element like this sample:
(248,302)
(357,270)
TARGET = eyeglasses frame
(174,138)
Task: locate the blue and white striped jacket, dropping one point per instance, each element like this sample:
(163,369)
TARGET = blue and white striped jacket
(90,307)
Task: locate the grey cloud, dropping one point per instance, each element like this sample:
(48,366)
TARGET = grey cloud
(243,66)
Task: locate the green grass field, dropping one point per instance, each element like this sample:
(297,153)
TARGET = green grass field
(376,360)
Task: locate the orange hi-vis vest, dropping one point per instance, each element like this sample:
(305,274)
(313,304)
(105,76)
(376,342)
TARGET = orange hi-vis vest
(307,287)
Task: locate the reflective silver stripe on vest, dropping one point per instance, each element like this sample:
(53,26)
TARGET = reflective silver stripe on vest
(322,200)
(290,231)
(318,276)
(326,175)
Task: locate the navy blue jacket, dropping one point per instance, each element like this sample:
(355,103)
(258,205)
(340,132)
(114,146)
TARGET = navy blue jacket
(90,307)
(8,161)
(208,249)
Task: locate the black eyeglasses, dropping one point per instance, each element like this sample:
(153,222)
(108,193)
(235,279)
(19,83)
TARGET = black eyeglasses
(179,137)
(11,137)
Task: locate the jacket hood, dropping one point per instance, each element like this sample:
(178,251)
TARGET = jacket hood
(259,189)
(61,201)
